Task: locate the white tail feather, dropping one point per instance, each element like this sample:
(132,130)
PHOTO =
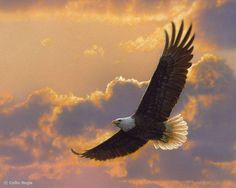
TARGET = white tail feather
(175,134)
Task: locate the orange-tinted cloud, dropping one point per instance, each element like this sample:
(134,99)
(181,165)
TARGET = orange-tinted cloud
(94,51)
(229,166)
(43,141)
(46,42)
(4,168)
(128,12)
(142,43)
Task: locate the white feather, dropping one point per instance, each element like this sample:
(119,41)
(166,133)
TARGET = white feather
(176,133)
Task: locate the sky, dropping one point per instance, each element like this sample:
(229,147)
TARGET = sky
(69,67)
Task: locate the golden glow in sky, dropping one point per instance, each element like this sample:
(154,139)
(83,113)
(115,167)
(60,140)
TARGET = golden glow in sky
(69,67)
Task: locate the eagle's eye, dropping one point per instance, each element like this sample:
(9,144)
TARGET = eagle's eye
(119,120)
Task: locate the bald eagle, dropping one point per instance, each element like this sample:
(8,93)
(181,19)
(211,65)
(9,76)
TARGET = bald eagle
(151,120)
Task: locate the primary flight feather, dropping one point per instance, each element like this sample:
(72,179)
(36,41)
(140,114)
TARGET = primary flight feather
(151,121)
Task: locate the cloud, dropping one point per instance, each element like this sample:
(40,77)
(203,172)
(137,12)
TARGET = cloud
(36,135)
(114,6)
(29,4)
(26,128)
(46,42)
(151,41)
(118,12)
(177,12)
(175,183)
(209,33)
(4,168)
(229,166)
(141,43)
(100,108)
(94,51)
(222,31)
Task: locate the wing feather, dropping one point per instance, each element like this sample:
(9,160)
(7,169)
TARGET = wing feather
(167,43)
(118,145)
(170,76)
(186,37)
(179,34)
(189,43)
(173,34)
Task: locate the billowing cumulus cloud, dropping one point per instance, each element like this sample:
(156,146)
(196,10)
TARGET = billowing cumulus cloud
(102,107)
(36,135)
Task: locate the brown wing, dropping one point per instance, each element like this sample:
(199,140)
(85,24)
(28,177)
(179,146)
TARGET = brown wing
(169,78)
(118,145)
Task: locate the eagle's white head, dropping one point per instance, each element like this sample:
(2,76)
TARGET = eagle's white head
(125,124)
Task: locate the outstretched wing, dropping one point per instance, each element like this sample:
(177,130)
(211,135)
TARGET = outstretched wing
(118,145)
(169,78)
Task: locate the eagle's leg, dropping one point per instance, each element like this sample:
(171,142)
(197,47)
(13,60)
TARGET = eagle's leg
(164,138)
